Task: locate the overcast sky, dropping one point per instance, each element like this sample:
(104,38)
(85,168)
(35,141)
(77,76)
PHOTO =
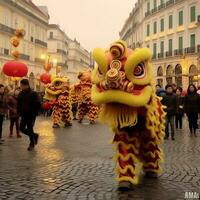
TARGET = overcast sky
(95,23)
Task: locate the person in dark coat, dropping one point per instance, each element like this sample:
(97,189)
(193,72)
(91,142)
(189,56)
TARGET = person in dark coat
(28,107)
(3,109)
(192,108)
(169,100)
(13,114)
(179,108)
(160,91)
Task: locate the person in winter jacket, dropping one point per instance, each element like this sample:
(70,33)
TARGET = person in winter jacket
(160,91)
(28,107)
(13,114)
(192,108)
(179,108)
(3,109)
(169,100)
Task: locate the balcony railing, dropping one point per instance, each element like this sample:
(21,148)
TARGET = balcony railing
(24,57)
(61,51)
(154,10)
(168,53)
(7,29)
(190,50)
(198,48)
(178,52)
(170,2)
(154,56)
(161,6)
(6,51)
(160,55)
(39,60)
(44,44)
(147,13)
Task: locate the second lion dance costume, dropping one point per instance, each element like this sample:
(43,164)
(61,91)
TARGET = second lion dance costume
(58,95)
(85,104)
(124,87)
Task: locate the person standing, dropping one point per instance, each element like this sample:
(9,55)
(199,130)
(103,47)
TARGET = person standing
(3,109)
(160,91)
(192,107)
(169,100)
(179,108)
(28,107)
(13,114)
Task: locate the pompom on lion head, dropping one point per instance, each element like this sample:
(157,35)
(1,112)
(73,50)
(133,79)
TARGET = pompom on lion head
(56,87)
(85,76)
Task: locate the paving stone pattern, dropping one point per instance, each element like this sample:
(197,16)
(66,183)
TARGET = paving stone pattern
(76,164)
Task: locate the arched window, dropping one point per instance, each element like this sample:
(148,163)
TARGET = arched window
(169,74)
(192,74)
(160,71)
(178,75)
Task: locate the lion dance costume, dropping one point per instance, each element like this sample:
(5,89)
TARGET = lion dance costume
(85,104)
(58,94)
(123,85)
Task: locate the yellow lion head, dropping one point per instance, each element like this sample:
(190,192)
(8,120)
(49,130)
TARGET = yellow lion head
(58,85)
(122,75)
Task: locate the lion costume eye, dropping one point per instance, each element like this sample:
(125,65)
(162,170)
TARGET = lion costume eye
(57,83)
(139,70)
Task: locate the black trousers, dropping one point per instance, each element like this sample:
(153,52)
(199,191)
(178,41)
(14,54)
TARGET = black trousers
(1,124)
(179,120)
(74,109)
(192,119)
(14,121)
(26,127)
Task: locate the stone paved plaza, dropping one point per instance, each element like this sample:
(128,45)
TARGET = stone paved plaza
(76,163)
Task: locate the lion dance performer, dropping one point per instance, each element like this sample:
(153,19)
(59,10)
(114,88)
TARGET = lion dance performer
(123,85)
(58,94)
(85,104)
(74,98)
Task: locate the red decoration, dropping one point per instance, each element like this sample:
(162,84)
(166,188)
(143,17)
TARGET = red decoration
(45,78)
(47,105)
(15,69)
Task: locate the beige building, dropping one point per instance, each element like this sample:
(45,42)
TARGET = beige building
(67,53)
(58,43)
(171,29)
(34,20)
(79,59)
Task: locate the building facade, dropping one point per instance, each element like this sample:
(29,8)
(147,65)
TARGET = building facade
(66,53)
(79,59)
(171,29)
(24,14)
(58,43)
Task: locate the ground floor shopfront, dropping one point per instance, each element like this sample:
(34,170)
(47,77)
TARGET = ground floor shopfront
(181,70)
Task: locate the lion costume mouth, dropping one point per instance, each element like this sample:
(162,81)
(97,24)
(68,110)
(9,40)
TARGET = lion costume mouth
(137,97)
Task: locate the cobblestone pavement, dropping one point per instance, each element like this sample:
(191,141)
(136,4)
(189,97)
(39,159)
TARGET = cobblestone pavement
(76,163)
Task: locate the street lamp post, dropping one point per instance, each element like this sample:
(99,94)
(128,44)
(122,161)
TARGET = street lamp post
(47,61)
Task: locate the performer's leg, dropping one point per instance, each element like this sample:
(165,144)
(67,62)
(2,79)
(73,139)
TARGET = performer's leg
(93,112)
(151,153)
(82,109)
(127,158)
(56,116)
(67,115)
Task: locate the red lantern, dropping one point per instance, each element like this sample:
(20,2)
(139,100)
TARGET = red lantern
(45,78)
(15,69)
